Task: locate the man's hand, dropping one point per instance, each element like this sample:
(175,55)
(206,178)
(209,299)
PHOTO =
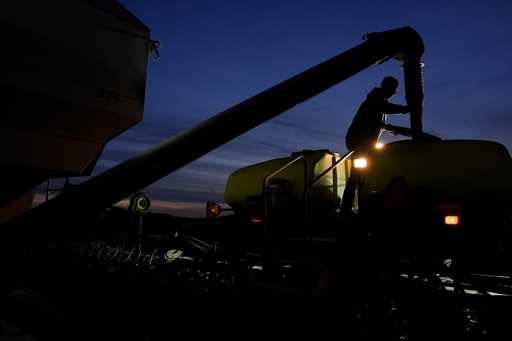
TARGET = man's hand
(396,130)
(386,129)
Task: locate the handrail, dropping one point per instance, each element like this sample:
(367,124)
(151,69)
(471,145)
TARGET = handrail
(266,182)
(315,180)
(307,187)
(318,178)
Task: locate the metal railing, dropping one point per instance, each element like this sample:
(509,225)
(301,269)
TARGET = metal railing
(320,176)
(266,183)
(305,195)
(307,188)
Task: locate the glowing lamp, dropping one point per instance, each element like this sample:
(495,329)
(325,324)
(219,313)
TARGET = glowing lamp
(379,145)
(451,220)
(212,210)
(360,163)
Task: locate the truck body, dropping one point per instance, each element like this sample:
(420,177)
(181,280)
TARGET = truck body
(437,199)
(245,188)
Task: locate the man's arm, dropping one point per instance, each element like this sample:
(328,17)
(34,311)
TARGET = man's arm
(396,130)
(390,108)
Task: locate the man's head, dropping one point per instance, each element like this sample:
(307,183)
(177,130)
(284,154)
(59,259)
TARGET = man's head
(389,85)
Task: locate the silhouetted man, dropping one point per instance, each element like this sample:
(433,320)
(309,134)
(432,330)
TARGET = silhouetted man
(368,124)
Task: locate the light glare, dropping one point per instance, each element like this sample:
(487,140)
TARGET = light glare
(451,220)
(360,163)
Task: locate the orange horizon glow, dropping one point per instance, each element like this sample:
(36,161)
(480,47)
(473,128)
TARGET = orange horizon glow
(177,208)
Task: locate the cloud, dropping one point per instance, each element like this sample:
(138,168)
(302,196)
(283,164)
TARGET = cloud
(276,146)
(472,125)
(304,129)
(471,82)
(212,160)
(105,164)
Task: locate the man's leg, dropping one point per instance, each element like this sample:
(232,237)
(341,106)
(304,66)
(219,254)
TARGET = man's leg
(349,194)
(360,145)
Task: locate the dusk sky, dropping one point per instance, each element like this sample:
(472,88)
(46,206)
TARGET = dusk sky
(216,54)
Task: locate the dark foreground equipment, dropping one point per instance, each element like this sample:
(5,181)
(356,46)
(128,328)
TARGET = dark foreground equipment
(75,268)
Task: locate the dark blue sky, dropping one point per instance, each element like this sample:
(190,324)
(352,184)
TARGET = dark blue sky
(216,54)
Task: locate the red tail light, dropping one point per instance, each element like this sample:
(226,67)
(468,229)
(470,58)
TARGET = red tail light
(256,220)
(212,210)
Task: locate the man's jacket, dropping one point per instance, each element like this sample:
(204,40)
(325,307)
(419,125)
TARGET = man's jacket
(370,119)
